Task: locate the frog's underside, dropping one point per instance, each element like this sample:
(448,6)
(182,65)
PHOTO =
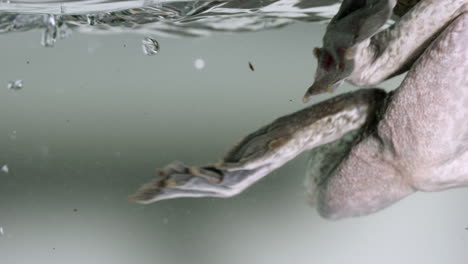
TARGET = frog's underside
(369,148)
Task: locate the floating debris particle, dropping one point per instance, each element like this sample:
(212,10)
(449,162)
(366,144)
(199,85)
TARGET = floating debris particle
(5,169)
(15,85)
(251,66)
(1,231)
(27,62)
(199,64)
(165,221)
(75,210)
(150,46)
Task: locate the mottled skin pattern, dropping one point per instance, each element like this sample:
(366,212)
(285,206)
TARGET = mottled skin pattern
(394,50)
(419,145)
(266,149)
(369,148)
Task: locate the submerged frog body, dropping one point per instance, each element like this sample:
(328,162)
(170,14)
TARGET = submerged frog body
(369,148)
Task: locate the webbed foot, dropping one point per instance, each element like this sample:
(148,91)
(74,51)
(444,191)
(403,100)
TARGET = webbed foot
(178,180)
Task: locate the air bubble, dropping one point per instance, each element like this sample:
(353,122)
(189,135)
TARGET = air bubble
(15,85)
(150,46)
(199,64)
(91,20)
(49,36)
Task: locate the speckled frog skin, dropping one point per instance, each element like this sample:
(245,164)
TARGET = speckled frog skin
(369,148)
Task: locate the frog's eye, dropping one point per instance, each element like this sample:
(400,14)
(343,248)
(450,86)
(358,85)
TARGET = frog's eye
(326,61)
(316,52)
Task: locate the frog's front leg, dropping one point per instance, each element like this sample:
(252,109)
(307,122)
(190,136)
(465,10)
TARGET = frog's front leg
(265,150)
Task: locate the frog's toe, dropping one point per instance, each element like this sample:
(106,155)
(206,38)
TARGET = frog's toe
(177,180)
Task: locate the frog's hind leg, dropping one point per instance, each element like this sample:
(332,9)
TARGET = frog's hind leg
(363,183)
(421,142)
(265,150)
(324,160)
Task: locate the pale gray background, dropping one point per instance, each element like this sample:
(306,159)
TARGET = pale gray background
(96,117)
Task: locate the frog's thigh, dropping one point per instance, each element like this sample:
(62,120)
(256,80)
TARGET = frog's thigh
(450,173)
(324,160)
(364,183)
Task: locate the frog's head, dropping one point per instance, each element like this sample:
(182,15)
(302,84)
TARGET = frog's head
(355,22)
(333,68)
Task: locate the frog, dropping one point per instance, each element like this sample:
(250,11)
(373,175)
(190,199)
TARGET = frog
(368,148)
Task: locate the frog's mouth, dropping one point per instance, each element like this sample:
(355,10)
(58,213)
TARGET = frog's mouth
(320,87)
(331,71)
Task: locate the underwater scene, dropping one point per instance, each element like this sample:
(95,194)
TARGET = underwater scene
(144,132)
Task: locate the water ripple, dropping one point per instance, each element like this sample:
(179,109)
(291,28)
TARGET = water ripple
(159,17)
